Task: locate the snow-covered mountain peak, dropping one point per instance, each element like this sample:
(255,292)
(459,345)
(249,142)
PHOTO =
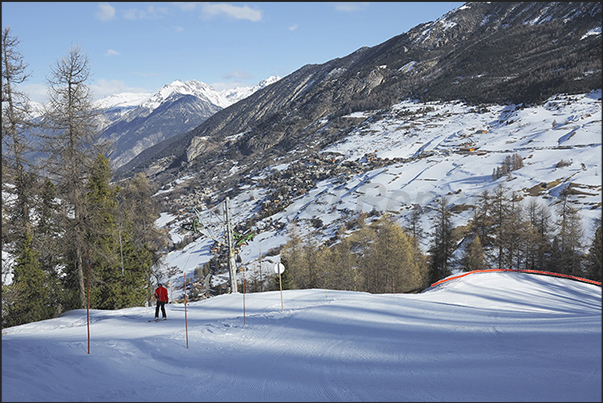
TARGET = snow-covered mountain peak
(127,100)
(122,100)
(36,109)
(234,95)
(134,124)
(268,81)
(193,87)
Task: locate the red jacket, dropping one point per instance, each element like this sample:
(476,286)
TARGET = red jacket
(161,294)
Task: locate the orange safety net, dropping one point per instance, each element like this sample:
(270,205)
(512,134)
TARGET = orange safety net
(548,273)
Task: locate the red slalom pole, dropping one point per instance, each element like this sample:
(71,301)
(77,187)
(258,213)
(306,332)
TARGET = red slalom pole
(185,319)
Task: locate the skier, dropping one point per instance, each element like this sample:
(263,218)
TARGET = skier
(161,295)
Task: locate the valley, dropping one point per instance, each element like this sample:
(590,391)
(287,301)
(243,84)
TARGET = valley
(413,154)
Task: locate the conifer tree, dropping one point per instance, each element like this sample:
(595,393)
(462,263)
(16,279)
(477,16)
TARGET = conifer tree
(393,263)
(305,260)
(567,242)
(516,162)
(15,126)
(481,220)
(138,206)
(47,240)
(26,298)
(362,242)
(136,217)
(71,146)
(500,214)
(30,302)
(538,236)
(314,268)
(339,263)
(593,261)
(136,280)
(442,244)
(513,237)
(16,109)
(415,229)
(473,257)
(378,263)
(101,237)
(121,258)
(47,210)
(293,254)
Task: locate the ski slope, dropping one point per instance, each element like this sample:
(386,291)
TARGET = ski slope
(497,336)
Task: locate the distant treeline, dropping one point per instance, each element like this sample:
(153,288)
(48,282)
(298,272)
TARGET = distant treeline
(503,233)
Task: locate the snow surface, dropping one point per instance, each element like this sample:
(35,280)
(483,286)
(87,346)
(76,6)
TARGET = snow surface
(484,337)
(427,137)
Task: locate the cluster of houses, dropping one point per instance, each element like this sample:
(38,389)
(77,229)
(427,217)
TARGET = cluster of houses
(284,185)
(302,175)
(297,178)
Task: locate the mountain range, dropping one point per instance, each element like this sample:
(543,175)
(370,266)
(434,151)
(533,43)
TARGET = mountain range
(135,122)
(432,112)
(479,53)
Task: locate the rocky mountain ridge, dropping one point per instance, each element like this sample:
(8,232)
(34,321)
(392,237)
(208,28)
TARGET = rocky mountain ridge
(399,162)
(133,124)
(480,53)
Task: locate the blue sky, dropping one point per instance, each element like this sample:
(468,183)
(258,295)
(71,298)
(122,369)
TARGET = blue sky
(140,46)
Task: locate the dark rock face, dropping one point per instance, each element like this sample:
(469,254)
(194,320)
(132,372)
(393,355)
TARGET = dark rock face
(479,53)
(143,129)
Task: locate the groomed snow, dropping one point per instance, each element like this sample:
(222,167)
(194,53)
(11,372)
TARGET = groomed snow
(483,337)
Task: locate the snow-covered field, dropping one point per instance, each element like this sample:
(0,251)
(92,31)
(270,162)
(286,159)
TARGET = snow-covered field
(483,337)
(429,137)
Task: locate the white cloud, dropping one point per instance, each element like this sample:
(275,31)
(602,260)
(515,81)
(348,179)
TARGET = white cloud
(105,12)
(111,52)
(237,75)
(151,12)
(209,10)
(351,6)
(104,88)
(292,27)
(221,85)
(178,28)
(185,6)
(36,92)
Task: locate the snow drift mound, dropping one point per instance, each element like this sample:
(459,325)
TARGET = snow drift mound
(517,290)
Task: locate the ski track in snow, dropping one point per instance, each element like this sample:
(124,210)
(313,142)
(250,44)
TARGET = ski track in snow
(482,337)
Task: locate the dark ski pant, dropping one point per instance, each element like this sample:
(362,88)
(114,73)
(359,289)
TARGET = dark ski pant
(162,305)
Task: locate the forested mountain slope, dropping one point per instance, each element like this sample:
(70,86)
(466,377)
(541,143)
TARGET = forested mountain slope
(480,53)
